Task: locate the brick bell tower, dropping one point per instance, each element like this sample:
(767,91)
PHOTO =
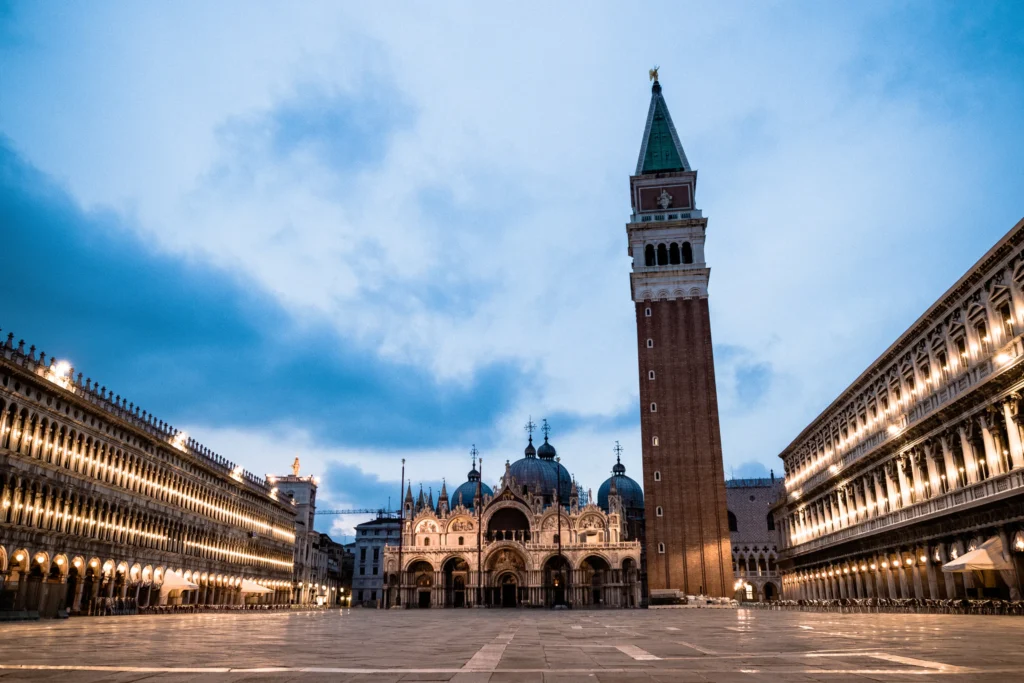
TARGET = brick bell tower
(687,528)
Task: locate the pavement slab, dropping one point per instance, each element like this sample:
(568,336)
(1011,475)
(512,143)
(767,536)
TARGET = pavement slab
(514,646)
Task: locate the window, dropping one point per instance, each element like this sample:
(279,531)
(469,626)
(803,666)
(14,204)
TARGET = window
(650,375)
(555,539)
(673,254)
(657,475)
(649,255)
(655,441)
(732,522)
(687,253)
(650,343)
(771,523)
(647,312)
(374,571)
(376,555)
(662,255)
(426,541)
(359,596)
(661,548)
(362,554)
(460,540)
(658,511)
(362,571)
(654,407)
(373,595)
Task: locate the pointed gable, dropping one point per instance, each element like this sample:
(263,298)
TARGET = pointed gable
(660,150)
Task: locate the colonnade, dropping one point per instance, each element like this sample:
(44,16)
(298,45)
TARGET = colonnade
(984,445)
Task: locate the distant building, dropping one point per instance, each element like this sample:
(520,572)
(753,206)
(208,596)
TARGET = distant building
(755,542)
(312,582)
(368,559)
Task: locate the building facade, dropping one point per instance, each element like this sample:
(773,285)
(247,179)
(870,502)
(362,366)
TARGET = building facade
(368,559)
(687,533)
(312,581)
(524,545)
(754,537)
(920,459)
(99,500)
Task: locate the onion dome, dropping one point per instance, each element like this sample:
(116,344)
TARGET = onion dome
(530,451)
(546,451)
(541,475)
(630,492)
(466,493)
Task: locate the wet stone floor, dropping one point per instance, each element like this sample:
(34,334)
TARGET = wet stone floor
(474,646)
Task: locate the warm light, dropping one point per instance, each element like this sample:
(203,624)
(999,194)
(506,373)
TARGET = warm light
(94,563)
(1002,358)
(59,561)
(923,559)
(77,563)
(893,429)
(18,557)
(874,566)
(885,565)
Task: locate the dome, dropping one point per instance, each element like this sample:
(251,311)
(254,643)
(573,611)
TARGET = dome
(546,450)
(630,492)
(541,476)
(467,492)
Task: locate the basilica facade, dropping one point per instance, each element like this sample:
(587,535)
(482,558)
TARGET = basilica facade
(536,541)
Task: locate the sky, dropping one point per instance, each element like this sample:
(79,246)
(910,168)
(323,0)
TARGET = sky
(360,232)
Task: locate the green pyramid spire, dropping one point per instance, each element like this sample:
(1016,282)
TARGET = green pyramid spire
(660,150)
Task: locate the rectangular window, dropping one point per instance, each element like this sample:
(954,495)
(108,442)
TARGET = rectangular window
(376,554)
(362,554)
(362,571)
(375,571)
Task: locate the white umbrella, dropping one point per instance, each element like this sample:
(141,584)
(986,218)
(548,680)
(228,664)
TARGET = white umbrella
(174,581)
(253,587)
(989,556)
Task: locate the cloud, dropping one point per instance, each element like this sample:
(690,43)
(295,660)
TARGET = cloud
(196,344)
(410,225)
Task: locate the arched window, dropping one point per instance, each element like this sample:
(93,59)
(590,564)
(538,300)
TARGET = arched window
(650,343)
(657,475)
(687,253)
(649,255)
(426,541)
(732,522)
(771,522)
(655,441)
(654,407)
(662,255)
(461,540)
(650,374)
(673,254)
(658,511)
(647,312)
(661,548)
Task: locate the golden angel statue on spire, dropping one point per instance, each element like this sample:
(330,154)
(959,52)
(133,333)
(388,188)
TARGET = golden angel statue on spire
(295,467)
(653,73)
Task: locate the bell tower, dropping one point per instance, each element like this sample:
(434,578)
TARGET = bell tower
(687,529)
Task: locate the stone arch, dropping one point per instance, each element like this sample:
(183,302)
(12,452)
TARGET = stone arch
(61,564)
(3,559)
(594,553)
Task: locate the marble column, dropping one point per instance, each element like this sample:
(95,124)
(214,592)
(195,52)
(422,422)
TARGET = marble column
(993,458)
(970,464)
(1013,433)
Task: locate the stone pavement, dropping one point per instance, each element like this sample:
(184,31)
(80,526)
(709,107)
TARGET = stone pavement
(499,646)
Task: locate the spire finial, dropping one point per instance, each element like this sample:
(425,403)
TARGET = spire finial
(530,426)
(618,452)
(546,428)
(653,73)
(474,452)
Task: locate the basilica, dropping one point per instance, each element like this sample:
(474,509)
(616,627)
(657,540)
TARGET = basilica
(536,541)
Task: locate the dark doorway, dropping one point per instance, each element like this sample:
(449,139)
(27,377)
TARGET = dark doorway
(424,599)
(508,591)
(459,597)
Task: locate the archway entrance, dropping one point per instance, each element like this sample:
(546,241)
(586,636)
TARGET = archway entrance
(509,590)
(421,578)
(556,575)
(769,592)
(508,524)
(594,573)
(456,573)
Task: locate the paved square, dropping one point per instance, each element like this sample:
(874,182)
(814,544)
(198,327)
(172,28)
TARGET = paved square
(473,646)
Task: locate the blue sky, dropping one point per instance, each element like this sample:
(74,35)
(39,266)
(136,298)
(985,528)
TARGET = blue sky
(361,233)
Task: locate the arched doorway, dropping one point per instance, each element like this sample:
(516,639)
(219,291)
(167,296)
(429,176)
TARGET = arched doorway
(509,586)
(629,581)
(556,581)
(421,578)
(770,592)
(456,574)
(595,574)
